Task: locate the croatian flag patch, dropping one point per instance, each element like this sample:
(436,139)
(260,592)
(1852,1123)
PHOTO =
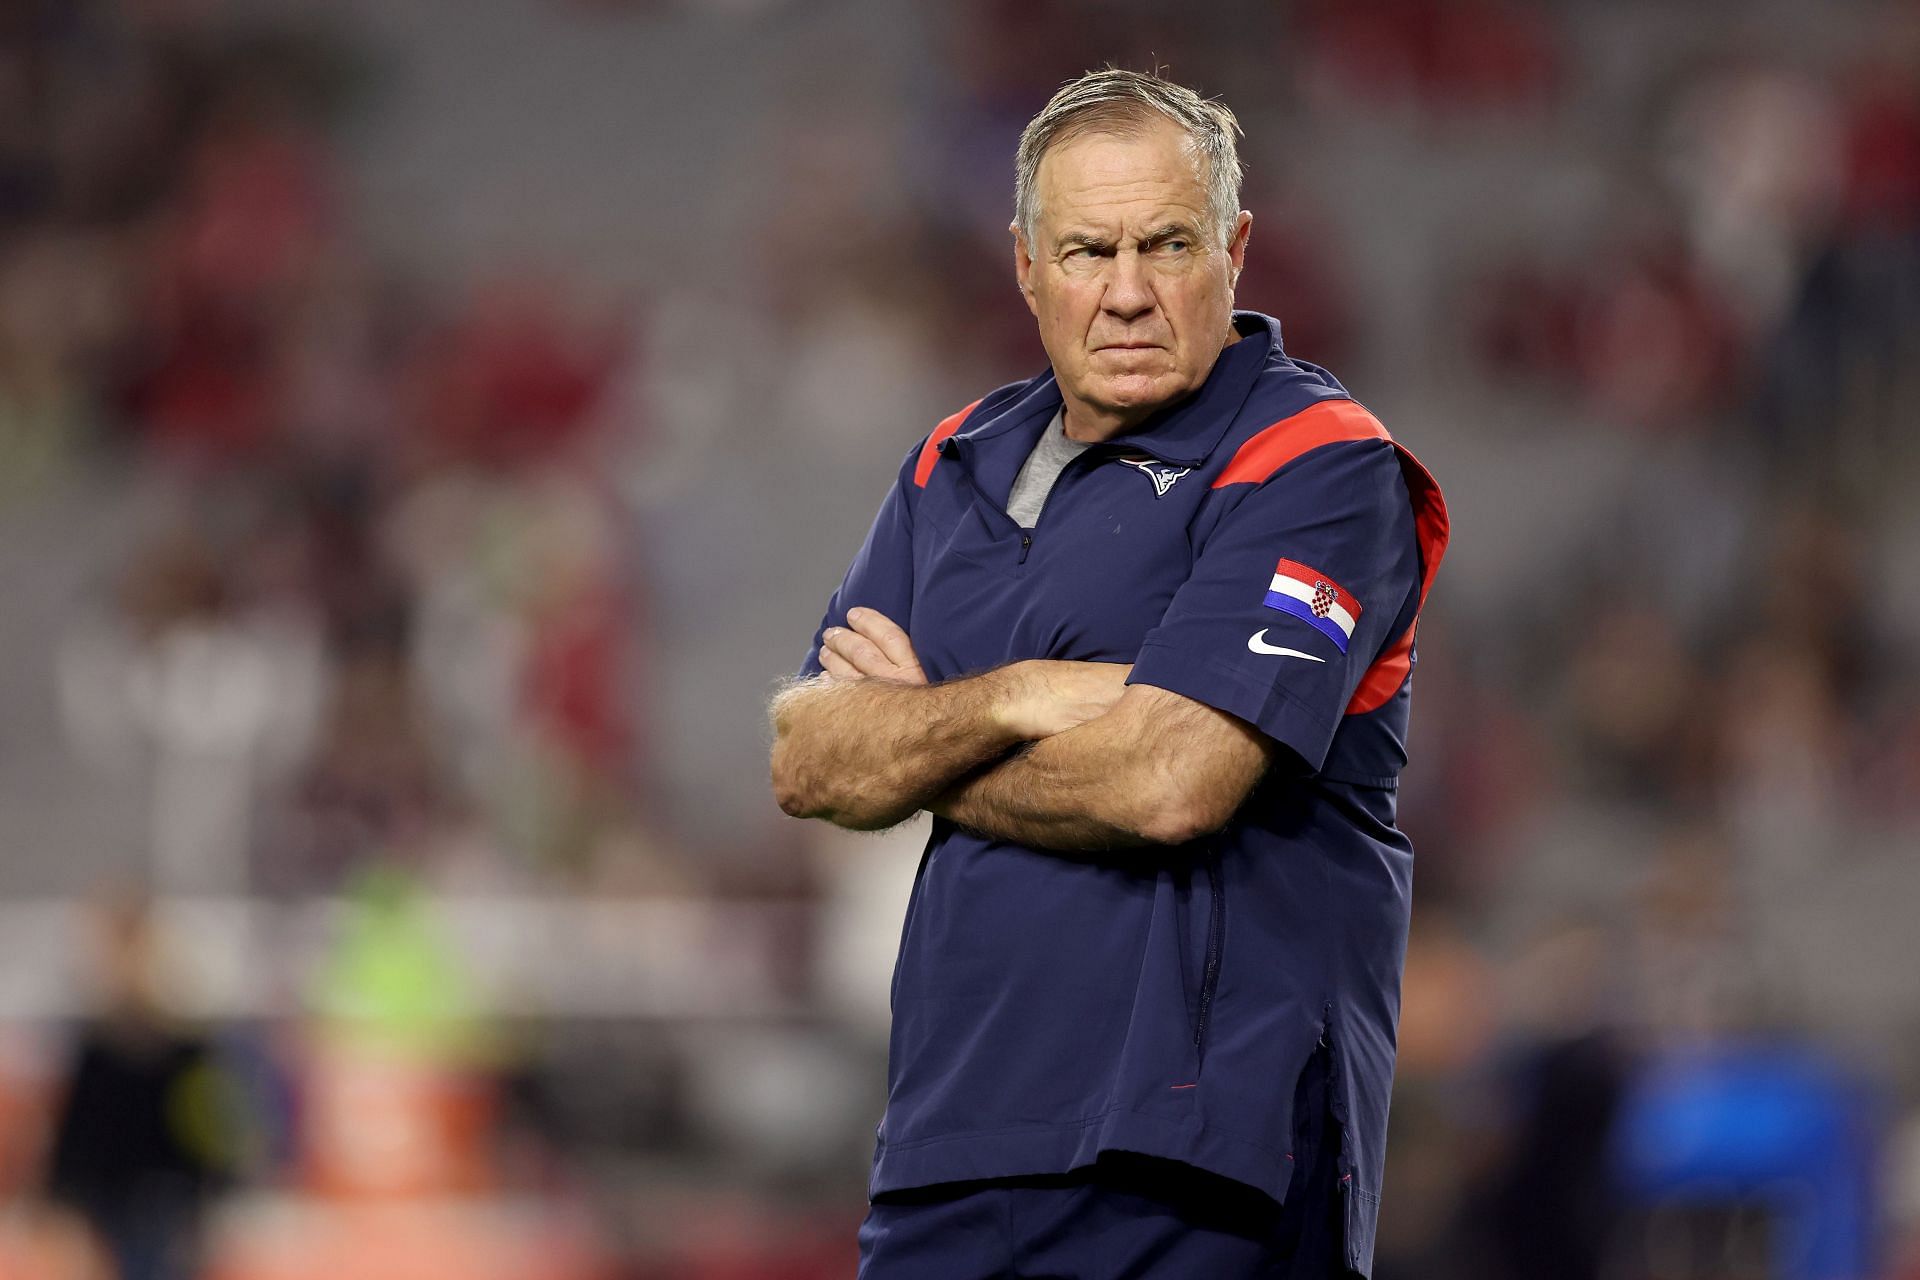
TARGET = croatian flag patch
(1315,599)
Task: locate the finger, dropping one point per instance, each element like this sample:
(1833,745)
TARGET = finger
(858,650)
(834,640)
(837,666)
(886,633)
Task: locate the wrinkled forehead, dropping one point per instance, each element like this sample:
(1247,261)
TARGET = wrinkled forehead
(1110,166)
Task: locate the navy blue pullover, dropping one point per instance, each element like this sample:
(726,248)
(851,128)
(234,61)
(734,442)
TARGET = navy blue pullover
(1262,547)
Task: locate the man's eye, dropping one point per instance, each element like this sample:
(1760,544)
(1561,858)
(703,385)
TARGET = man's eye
(1175,245)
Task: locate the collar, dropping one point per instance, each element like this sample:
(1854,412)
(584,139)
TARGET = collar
(1184,434)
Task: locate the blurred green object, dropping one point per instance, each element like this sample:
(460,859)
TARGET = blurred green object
(391,981)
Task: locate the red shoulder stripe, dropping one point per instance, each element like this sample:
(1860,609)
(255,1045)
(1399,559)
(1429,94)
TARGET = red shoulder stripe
(930,451)
(1271,448)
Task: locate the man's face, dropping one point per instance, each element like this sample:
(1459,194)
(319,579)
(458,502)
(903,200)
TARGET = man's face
(1133,291)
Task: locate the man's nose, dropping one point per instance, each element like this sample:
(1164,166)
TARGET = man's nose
(1129,294)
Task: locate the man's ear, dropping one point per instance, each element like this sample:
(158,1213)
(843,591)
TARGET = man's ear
(1023,266)
(1237,247)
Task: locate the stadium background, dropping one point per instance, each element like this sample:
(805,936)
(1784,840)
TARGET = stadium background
(428,428)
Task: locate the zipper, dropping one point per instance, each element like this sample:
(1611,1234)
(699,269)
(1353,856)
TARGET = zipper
(1210,975)
(951,447)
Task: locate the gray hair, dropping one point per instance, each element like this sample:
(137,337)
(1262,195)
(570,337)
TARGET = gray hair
(1125,102)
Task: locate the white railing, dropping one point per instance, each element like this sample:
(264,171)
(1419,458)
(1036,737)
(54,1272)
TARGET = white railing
(521,957)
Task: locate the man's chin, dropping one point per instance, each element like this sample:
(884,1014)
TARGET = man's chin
(1141,393)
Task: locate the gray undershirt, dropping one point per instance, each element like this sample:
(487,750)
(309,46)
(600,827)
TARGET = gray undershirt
(1043,466)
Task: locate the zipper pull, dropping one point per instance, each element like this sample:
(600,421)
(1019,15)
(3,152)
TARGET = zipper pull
(1026,544)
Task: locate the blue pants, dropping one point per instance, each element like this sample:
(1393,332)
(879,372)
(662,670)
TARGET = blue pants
(1129,1217)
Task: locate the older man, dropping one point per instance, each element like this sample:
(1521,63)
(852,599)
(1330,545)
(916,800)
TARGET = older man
(1138,632)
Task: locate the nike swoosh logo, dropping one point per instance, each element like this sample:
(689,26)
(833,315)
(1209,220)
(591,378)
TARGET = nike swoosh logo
(1258,643)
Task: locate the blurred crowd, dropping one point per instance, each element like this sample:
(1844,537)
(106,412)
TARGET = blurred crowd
(423,584)
(379,582)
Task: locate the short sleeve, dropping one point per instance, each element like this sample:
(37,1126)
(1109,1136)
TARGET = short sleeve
(1294,593)
(881,575)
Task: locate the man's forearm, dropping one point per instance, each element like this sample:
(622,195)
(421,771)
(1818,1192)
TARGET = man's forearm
(1047,798)
(1157,770)
(867,754)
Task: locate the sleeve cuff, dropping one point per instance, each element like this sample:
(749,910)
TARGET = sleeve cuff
(1266,707)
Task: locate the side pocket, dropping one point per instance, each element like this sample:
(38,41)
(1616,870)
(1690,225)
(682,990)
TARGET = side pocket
(1216,943)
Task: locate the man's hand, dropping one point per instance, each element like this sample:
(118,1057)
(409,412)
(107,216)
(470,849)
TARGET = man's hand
(871,742)
(1043,697)
(871,645)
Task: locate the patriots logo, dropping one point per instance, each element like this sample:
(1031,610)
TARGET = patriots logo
(1163,474)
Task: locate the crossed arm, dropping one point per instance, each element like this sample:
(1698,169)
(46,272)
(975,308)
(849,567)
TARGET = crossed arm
(1061,755)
